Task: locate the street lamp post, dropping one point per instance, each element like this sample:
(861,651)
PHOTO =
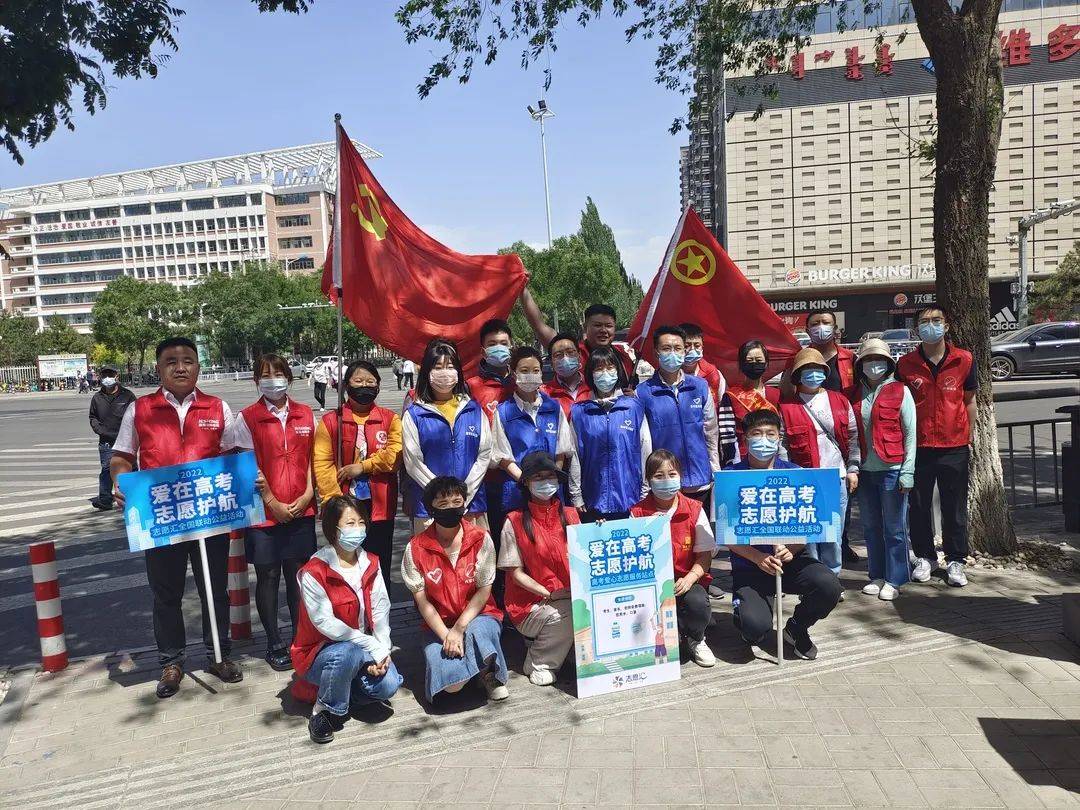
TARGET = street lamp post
(1025,225)
(539,114)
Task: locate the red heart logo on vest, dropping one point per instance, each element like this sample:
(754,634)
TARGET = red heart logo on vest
(435,575)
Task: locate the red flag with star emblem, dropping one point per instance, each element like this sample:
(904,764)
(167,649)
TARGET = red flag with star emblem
(399,285)
(699,283)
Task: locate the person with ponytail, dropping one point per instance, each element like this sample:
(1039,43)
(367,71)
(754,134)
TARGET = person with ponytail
(534,557)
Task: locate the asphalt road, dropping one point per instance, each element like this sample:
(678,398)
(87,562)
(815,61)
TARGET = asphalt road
(48,471)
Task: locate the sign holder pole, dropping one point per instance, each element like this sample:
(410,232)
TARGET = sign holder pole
(779,611)
(209,600)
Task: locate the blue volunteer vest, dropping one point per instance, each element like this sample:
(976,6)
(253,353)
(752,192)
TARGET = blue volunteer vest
(526,436)
(609,449)
(677,424)
(447,450)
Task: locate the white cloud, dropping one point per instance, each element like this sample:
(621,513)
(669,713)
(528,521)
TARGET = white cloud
(643,258)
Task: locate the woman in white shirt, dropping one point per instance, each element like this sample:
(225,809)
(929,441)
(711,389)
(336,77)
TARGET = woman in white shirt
(341,651)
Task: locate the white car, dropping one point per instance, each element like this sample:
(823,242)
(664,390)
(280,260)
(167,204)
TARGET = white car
(298,369)
(318,361)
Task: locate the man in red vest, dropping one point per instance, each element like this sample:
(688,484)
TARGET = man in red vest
(176,424)
(943,382)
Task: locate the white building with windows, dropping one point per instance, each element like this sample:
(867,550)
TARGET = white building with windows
(65,241)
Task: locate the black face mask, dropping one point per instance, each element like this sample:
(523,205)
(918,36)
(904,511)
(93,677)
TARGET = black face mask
(753,369)
(448,518)
(363,394)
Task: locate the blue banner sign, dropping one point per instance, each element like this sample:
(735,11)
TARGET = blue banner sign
(777,506)
(184,502)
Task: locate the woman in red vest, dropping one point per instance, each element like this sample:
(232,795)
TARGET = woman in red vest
(533,554)
(280,431)
(750,393)
(885,414)
(342,644)
(370,457)
(692,547)
(450,567)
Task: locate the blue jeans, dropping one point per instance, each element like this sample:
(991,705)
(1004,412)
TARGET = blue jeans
(104,476)
(829,553)
(338,671)
(883,509)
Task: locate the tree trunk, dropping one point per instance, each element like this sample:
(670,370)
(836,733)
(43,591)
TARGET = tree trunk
(970,99)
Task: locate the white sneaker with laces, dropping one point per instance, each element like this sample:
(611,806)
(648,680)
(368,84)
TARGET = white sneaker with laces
(495,690)
(956,575)
(701,653)
(888,592)
(843,595)
(921,571)
(541,677)
(873,588)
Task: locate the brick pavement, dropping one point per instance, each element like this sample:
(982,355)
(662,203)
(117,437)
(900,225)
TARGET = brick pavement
(945,697)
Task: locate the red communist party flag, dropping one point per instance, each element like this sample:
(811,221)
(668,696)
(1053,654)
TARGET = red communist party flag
(400,286)
(699,283)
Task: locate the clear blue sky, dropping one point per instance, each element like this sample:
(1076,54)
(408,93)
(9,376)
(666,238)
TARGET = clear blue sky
(463,163)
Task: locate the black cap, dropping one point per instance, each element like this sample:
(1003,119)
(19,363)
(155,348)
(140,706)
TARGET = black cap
(109,367)
(536,462)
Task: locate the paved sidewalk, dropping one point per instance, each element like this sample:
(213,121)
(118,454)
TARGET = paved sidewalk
(945,697)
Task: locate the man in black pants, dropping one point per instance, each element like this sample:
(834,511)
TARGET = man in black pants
(106,412)
(754,568)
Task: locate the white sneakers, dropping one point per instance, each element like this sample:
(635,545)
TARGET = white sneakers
(873,588)
(495,690)
(541,677)
(921,571)
(701,653)
(888,592)
(956,576)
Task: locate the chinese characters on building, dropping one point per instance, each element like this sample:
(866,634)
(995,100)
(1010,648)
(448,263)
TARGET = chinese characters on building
(620,559)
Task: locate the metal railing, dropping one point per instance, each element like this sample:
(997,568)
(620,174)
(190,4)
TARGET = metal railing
(1031,464)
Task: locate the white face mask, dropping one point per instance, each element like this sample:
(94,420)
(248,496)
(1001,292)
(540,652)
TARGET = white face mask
(605,381)
(273,387)
(875,369)
(529,383)
(444,379)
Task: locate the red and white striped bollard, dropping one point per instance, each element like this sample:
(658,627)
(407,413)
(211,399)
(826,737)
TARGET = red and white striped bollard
(50,618)
(239,588)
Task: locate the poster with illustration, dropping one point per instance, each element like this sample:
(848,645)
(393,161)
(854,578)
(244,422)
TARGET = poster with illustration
(623,586)
(777,506)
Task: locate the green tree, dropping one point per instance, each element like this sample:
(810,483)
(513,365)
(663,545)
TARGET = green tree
(751,38)
(60,337)
(1059,295)
(101,354)
(18,340)
(131,316)
(54,51)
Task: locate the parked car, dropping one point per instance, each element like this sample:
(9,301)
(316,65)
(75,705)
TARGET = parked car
(322,358)
(1042,348)
(298,369)
(901,341)
(869,335)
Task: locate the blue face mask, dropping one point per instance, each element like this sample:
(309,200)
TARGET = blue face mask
(273,387)
(665,487)
(566,366)
(605,380)
(543,490)
(671,361)
(763,448)
(497,355)
(351,537)
(931,332)
(813,378)
(693,356)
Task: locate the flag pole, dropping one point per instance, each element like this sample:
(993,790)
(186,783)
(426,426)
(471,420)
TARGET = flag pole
(779,611)
(336,270)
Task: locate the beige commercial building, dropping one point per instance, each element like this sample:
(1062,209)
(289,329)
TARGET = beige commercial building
(66,241)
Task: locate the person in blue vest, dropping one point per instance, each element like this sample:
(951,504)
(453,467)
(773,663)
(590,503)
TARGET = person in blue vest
(682,415)
(612,440)
(444,432)
(529,421)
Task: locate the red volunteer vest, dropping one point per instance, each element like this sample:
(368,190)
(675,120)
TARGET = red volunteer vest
(845,367)
(384,486)
(308,640)
(488,393)
(801,429)
(450,587)
(683,521)
(561,394)
(283,455)
(711,374)
(161,443)
(885,425)
(941,416)
(544,558)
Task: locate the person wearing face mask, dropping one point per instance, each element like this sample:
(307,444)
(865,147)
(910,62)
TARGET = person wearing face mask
(696,365)
(534,558)
(885,411)
(612,441)
(107,408)
(821,431)
(943,383)
(281,431)
(450,567)
(371,449)
(754,567)
(692,547)
(444,432)
(342,643)
(682,414)
(568,385)
(839,362)
(751,393)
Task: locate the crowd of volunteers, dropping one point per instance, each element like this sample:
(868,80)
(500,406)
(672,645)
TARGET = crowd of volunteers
(492,468)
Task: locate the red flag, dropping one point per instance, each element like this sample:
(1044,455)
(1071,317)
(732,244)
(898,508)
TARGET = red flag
(400,286)
(699,283)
